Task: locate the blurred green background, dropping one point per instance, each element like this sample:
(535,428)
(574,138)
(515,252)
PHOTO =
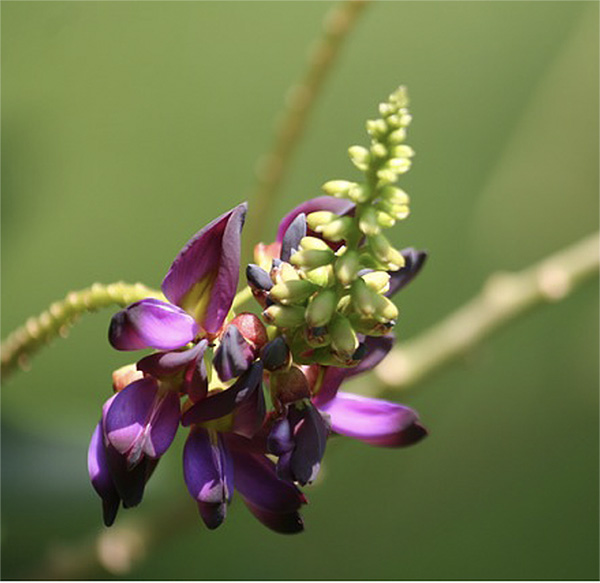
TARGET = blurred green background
(126,126)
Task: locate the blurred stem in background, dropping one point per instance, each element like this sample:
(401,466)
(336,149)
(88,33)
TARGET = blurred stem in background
(337,25)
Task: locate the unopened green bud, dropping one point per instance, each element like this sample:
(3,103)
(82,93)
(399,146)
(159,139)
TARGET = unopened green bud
(395,195)
(292,292)
(378,150)
(319,218)
(395,260)
(402,151)
(284,316)
(399,165)
(380,247)
(386,176)
(367,221)
(385,309)
(344,305)
(384,220)
(377,128)
(343,338)
(363,298)
(400,97)
(314,243)
(321,308)
(338,188)
(405,118)
(337,229)
(397,136)
(386,109)
(370,326)
(360,157)
(321,276)
(378,281)
(317,337)
(393,121)
(284,272)
(312,258)
(358,193)
(346,267)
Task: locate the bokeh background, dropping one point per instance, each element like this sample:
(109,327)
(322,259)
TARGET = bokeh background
(126,126)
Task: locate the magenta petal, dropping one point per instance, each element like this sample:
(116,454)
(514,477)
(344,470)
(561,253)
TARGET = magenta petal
(224,402)
(256,480)
(339,206)
(208,473)
(151,323)
(332,380)
(282,523)
(141,420)
(204,276)
(100,476)
(374,421)
(377,349)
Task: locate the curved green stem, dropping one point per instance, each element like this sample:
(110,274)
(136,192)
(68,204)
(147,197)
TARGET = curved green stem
(38,331)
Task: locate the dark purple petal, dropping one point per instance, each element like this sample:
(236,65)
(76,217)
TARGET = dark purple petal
(333,377)
(249,416)
(163,364)
(280,439)
(151,323)
(258,278)
(283,523)
(310,438)
(233,355)
(292,237)
(256,480)
(129,482)
(142,421)
(208,473)
(204,276)
(100,476)
(339,206)
(196,381)
(414,261)
(374,421)
(224,402)
(275,354)
(377,349)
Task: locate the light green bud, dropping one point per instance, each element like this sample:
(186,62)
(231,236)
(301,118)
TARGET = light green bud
(378,281)
(360,157)
(387,176)
(292,292)
(321,276)
(346,267)
(337,229)
(385,309)
(343,338)
(284,272)
(400,97)
(321,308)
(384,220)
(395,195)
(358,193)
(378,150)
(405,118)
(396,211)
(319,218)
(402,151)
(312,258)
(363,298)
(376,128)
(338,188)
(367,221)
(284,316)
(380,247)
(397,136)
(395,260)
(344,305)
(370,326)
(313,243)
(399,165)
(386,109)
(393,121)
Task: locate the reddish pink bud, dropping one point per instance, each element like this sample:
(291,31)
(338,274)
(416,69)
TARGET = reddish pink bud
(252,329)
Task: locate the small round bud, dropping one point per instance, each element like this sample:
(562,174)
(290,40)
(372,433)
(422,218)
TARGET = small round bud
(378,150)
(376,128)
(360,157)
(337,229)
(314,243)
(384,220)
(319,218)
(321,276)
(284,316)
(337,188)
(363,298)
(397,136)
(368,223)
(346,267)
(343,338)
(293,291)
(378,281)
(275,354)
(312,258)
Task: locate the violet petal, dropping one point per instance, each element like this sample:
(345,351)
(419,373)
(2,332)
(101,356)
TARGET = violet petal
(295,232)
(249,416)
(204,276)
(310,439)
(333,377)
(151,323)
(167,363)
(280,439)
(208,473)
(256,480)
(224,402)
(101,478)
(141,421)
(233,355)
(282,523)
(414,261)
(374,421)
(377,349)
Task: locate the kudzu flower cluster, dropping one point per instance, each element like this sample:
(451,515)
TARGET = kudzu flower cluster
(260,394)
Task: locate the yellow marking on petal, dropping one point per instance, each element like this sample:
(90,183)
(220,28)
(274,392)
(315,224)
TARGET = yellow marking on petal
(195,301)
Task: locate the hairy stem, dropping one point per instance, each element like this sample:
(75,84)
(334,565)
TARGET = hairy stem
(272,167)
(504,296)
(38,331)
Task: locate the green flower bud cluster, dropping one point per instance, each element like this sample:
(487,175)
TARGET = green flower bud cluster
(334,285)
